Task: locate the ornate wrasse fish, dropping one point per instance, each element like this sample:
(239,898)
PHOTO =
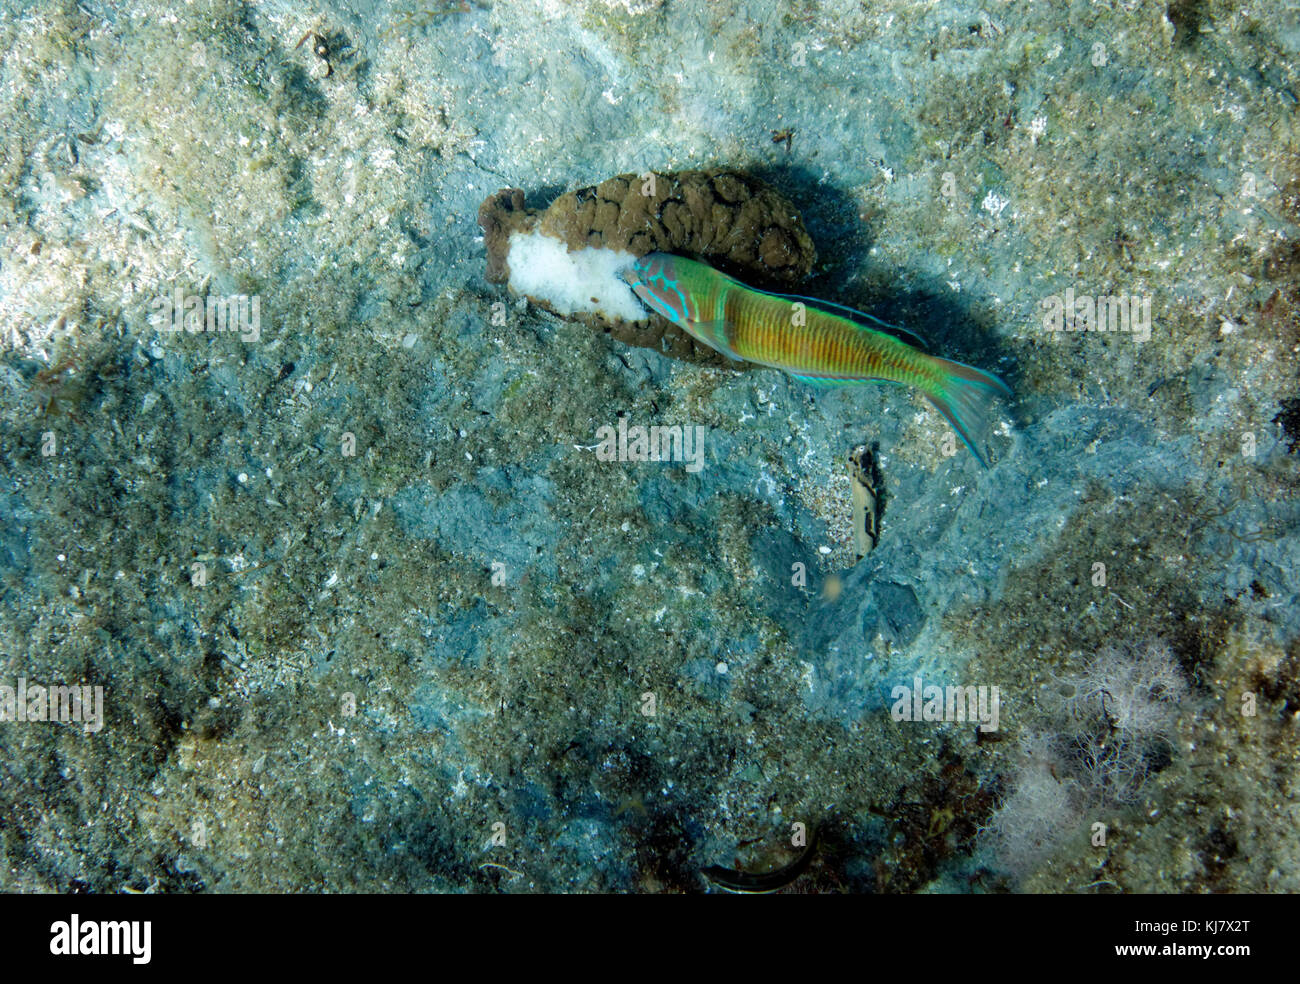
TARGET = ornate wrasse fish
(815,341)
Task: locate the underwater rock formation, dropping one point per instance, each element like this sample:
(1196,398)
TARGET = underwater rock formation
(736,222)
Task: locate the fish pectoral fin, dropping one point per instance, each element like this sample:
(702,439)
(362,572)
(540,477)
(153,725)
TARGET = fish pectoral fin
(717,335)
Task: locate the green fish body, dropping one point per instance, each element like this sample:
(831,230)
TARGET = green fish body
(814,341)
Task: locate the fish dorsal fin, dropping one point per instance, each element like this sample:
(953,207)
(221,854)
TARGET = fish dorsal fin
(857,317)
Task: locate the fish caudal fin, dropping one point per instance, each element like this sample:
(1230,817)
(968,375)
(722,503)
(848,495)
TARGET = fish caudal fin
(965,397)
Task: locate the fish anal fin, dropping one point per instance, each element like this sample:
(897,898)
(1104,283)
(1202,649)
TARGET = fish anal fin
(840,380)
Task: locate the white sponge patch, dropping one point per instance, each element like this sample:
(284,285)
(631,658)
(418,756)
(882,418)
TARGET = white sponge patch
(586,280)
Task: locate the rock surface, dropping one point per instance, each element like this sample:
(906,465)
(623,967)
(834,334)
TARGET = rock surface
(360,589)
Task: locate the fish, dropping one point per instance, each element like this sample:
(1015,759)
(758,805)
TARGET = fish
(817,342)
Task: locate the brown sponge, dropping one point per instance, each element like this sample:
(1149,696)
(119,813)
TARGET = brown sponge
(737,222)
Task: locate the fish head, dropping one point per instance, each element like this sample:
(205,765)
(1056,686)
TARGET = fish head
(655,280)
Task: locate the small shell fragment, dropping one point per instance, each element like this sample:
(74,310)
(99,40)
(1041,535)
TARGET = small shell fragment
(864,476)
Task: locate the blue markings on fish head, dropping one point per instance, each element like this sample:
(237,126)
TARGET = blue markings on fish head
(652,279)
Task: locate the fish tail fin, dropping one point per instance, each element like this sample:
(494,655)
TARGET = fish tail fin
(965,397)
